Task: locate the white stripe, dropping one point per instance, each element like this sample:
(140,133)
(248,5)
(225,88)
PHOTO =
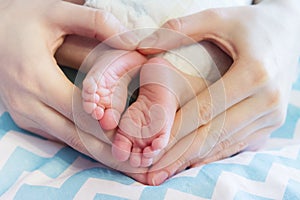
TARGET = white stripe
(40,147)
(295,98)
(11,192)
(282,142)
(274,186)
(175,194)
(38,178)
(98,186)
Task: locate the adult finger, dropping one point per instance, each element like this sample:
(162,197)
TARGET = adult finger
(249,137)
(31,125)
(267,122)
(191,157)
(62,128)
(50,122)
(208,24)
(65,130)
(58,93)
(251,142)
(93,23)
(208,138)
(198,112)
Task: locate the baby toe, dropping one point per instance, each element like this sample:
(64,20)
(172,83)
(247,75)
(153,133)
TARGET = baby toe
(160,142)
(146,162)
(104,91)
(89,85)
(121,147)
(110,119)
(136,157)
(98,113)
(89,107)
(90,97)
(148,152)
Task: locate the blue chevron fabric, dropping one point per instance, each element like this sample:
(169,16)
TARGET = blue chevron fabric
(34,168)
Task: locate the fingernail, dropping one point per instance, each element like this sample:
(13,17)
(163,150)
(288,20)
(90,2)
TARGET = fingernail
(159,178)
(149,42)
(130,38)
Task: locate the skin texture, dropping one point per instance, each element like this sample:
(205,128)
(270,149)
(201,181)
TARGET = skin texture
(36,93)
(259,78)
(34,90)
(144,128)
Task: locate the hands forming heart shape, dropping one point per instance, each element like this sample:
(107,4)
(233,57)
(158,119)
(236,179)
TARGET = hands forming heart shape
(236,112)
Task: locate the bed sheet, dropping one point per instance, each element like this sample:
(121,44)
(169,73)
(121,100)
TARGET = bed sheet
(34,168)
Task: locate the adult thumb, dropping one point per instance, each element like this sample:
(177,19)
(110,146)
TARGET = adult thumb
(93,23)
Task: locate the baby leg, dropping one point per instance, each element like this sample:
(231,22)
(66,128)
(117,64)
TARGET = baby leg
(145,127)
(104,89)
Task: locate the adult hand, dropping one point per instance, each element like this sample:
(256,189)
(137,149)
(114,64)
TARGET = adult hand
(261,40)
(33,88)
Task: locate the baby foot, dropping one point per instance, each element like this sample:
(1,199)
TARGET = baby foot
(104,89)
(145,127)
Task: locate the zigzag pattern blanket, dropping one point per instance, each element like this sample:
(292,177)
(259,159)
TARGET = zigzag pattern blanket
(34,168)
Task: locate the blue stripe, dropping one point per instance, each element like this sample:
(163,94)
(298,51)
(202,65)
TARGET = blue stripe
(7,124)
(287,131)
(292,190)
(71,186)
(241,195)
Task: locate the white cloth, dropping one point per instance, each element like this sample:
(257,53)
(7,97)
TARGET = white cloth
(141,14)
